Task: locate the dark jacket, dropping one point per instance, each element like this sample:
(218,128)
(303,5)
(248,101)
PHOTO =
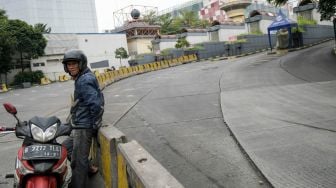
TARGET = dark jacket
(90,104)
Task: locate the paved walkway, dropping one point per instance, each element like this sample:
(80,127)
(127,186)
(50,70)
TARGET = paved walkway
(288,126)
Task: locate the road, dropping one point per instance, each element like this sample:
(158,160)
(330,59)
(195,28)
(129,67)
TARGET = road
(283,114)
(224,123)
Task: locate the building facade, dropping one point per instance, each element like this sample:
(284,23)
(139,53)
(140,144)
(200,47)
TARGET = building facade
(62,16)
(99,48)
(175,11)
(211,11)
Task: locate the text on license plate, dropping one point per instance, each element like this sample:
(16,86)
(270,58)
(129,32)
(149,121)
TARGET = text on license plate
(42,152)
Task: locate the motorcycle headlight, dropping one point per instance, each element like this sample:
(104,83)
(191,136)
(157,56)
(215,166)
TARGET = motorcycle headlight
(43,136)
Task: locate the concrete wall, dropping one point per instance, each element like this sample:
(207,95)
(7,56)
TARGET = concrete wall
(309,11)
(225,32)
(168,44)
(252,44)
(315,33)
(199,38)
(161,44)
(99,47)
(51,66)
(139,45)
(263,25)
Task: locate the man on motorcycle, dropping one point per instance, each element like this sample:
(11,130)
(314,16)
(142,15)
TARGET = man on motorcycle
(87,113)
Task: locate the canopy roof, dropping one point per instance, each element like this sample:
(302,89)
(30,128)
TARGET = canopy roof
(281,21)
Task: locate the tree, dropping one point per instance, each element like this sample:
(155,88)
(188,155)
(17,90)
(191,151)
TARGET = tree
(181,43)
(151,17)
(188,19)
(327,8)
(167,25)
(121,53)
(203,23)
(6,46)
(29,43)
(42,28)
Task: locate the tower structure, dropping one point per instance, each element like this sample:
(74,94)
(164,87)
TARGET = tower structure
(235,9)
(134,20)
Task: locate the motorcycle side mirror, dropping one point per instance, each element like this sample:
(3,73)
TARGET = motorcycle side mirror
(10,108)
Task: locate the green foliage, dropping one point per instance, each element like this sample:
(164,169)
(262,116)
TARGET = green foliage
(303,21)
(237,41)
(204,23)
(298,29)
(257,32)
(187,19)
(197,47)
(42,28)
(33,77)
(6,44)
(151,18)
(168,26)
(121,53)
(166,52)
(327,8)
(17,36)
(29,42)
(190,19)
(182,43)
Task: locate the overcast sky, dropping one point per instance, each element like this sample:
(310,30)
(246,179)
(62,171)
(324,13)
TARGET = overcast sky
(105,8)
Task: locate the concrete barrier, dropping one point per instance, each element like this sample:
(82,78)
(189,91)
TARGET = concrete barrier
(125,165)
(3,88)
(108,139)
(138,169)
(45,81)
(63,78)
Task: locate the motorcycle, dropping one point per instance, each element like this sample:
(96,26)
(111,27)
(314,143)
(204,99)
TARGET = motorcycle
(41,161)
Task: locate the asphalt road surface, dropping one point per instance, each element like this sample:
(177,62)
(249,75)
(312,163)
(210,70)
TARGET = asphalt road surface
(278,121)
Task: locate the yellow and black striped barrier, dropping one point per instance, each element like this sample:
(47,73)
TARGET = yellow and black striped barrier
(110,76)
(63,78)
(3,88)
(45,81)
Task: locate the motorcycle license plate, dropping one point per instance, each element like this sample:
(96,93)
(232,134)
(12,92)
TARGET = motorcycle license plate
(45,151)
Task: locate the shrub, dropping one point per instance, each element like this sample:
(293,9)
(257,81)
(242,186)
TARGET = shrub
(33,77)
(303,21)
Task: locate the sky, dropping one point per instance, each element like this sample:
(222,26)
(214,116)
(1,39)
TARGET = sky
(105,9)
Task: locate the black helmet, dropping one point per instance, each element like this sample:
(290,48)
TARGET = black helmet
(75,55)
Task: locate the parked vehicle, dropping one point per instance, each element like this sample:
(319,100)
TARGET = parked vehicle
(41,162)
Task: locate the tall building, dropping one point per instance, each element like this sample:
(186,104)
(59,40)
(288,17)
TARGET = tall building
(175,11)
(211,11)
(62,16)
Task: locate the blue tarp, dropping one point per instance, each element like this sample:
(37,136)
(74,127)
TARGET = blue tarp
(281,21)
